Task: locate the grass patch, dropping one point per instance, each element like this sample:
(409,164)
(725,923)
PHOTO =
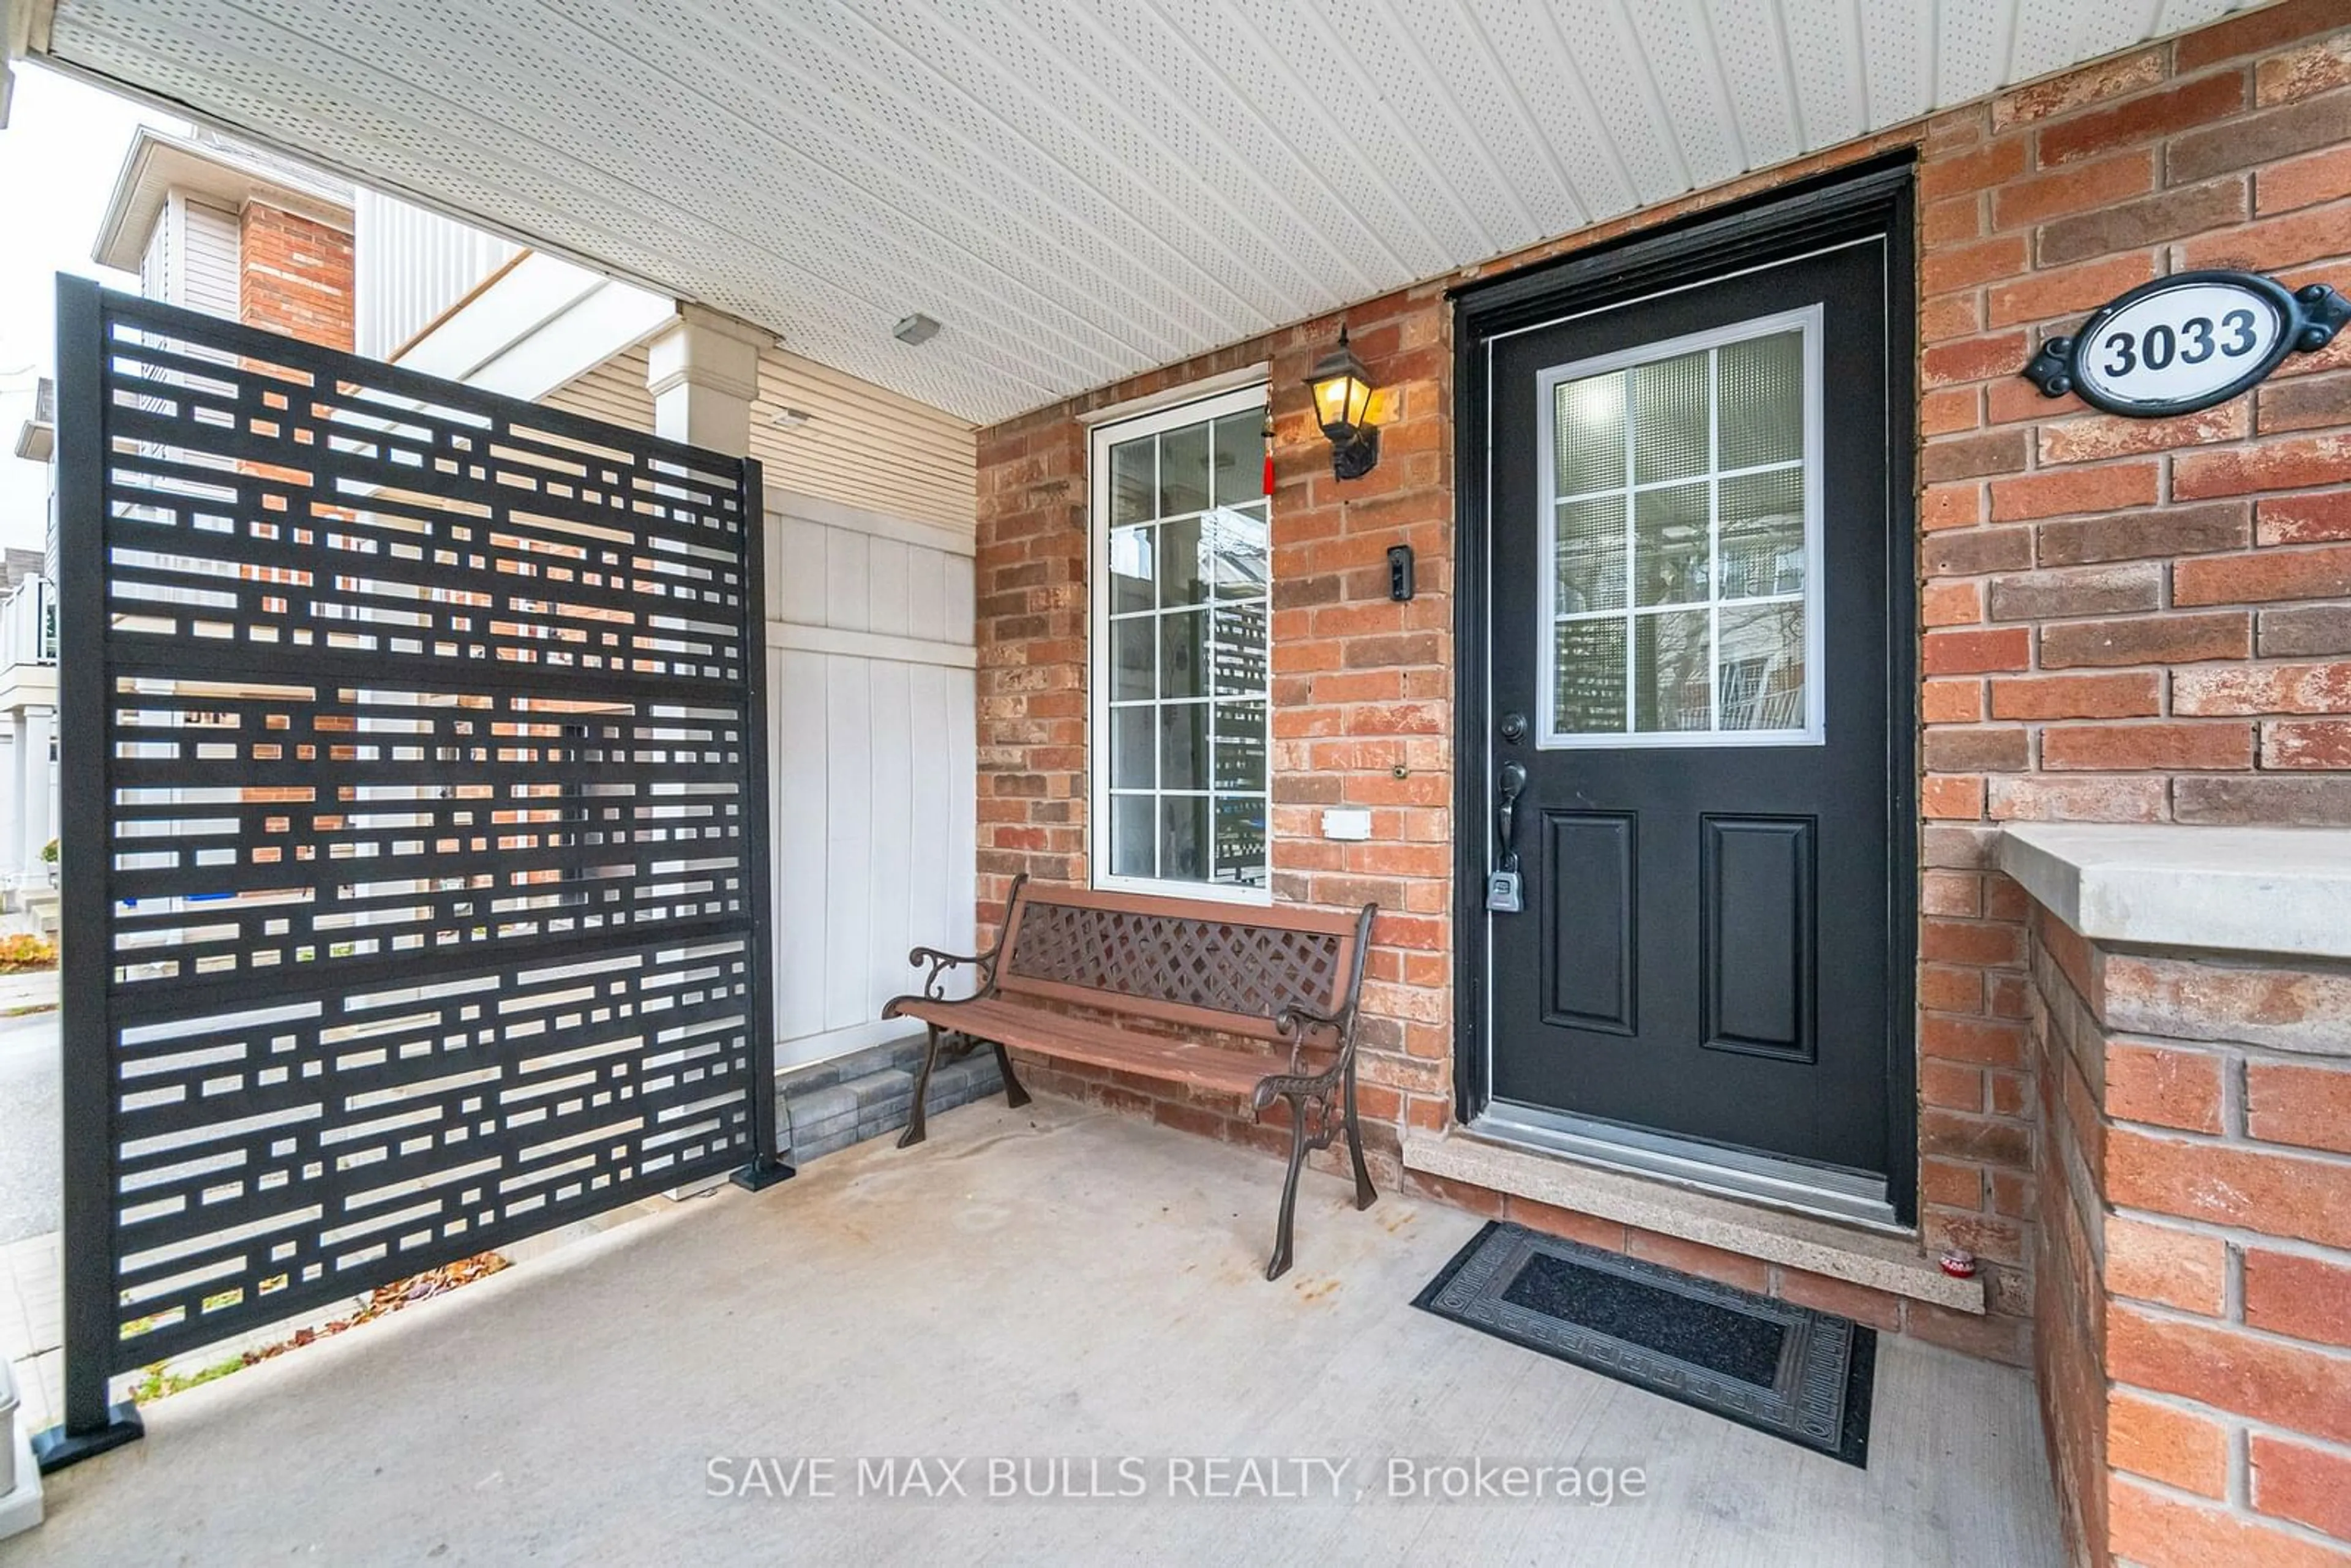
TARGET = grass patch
(157,1382)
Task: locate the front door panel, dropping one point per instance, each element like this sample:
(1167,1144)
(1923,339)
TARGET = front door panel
(1690,554)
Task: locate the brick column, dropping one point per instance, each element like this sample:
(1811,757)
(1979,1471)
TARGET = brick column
(2194,1323)
(294,276)
(1030,572)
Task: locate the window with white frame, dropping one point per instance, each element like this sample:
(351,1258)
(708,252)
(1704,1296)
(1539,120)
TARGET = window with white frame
(1182,614)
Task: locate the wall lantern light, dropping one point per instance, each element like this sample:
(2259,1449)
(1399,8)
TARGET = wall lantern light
(1343,399)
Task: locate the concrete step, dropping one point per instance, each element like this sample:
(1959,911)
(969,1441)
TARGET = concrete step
(38,908)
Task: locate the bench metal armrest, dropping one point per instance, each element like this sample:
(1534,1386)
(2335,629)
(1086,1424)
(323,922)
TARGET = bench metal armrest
(1298,1016)
(941,961)
(1297,1023)
(939,958)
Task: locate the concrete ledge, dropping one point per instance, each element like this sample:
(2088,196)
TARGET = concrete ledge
(831,1105)
(20,1479)
(20,1510)
(1888,1263)
(2249,890)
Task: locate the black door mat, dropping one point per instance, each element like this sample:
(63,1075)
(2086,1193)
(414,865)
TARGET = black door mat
(1770,1365)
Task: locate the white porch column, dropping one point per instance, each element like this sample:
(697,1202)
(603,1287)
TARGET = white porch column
(12,810)
(704,370)
(33,735)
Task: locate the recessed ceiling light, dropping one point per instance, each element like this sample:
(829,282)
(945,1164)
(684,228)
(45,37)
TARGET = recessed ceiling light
(789,418)
(916,328)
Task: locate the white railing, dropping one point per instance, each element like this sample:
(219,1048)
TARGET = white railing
(408,266)
(29,624)
(45,411)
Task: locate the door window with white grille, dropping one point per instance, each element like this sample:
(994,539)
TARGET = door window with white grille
(1682,602)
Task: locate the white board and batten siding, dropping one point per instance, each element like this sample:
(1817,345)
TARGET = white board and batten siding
(870,743)
(870,746)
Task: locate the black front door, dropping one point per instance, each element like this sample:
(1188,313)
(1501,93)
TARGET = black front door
(1696,728)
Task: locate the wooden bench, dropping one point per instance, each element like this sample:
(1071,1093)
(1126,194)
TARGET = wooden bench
(1139,965)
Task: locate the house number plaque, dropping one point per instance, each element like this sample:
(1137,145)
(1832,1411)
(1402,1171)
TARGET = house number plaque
(2187,342)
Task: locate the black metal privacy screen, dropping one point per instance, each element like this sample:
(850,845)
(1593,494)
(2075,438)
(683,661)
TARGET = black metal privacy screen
(414,851)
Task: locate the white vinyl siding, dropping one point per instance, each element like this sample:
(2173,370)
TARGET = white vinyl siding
(864,447)
(211,245)
(412,265)
(192,257)
(155,269)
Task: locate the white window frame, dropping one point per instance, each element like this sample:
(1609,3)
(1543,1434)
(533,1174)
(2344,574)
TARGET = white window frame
(1808,321)
(1099,440)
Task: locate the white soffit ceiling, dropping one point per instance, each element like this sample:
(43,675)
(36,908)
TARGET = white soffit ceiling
(1079,189)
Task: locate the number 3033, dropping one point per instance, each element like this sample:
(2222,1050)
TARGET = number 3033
(2194,341)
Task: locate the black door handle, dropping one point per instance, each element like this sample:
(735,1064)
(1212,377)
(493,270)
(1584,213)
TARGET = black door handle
(1505,811)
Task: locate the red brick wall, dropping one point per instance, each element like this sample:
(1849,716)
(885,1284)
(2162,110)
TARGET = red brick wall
(2207,1419)
(2127,620)
(295,276)
(2069,1299)
(2116,608)
(1361,687)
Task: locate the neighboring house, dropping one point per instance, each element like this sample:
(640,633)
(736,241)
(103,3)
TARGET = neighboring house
(213,225)
(28,700)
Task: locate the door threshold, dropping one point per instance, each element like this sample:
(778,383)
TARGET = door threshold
(1879,1258)
(1850,1197)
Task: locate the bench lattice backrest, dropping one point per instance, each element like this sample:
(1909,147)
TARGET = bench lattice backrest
(1219,966)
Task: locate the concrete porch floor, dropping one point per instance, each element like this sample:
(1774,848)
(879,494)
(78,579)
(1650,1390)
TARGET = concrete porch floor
(1050,1283)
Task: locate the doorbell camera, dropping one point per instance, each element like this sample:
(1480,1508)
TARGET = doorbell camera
(1399,572)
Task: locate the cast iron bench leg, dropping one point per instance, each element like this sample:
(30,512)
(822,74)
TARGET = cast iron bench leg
(1014,1095)
(1280,1264)
(1364,1196)
(914,1128)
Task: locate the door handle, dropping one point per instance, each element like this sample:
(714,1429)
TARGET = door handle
(1505,891)
(1505,811)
